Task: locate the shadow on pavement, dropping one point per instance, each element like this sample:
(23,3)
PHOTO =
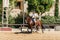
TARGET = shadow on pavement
(22,33)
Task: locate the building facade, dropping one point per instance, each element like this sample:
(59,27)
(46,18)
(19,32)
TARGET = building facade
(20,4)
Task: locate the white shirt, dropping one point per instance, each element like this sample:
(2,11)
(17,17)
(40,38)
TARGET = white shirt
(35,15)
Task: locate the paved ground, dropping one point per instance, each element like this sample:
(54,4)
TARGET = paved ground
(47,35)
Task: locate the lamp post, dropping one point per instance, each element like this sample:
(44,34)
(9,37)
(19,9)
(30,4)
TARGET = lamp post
(23,15)
(23,12)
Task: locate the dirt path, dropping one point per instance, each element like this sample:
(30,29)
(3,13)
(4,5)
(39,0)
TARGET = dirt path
(34,36)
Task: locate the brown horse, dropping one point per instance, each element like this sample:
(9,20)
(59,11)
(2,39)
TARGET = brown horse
(31,23)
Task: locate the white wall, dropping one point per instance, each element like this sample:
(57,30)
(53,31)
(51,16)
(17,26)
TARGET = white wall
(25,6)
(59,7)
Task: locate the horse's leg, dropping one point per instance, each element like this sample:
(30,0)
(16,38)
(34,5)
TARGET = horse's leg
(42,28)
(30,27)
(27,28)
(37,28)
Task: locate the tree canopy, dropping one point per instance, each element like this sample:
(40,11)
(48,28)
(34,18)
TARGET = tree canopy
(39,5)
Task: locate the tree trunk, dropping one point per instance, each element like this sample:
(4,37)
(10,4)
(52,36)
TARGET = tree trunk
(39,16)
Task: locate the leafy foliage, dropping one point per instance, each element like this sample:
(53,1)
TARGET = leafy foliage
(11,20)
(39,5)
(0,1)
(19,20)
(0,6)
(48,19)
(51,20)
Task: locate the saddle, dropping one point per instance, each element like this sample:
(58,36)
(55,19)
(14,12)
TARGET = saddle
(33,21)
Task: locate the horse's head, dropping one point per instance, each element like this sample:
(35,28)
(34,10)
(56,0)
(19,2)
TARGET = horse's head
(28,18)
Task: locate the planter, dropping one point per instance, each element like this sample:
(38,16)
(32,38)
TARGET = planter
(57,28)
(5,29)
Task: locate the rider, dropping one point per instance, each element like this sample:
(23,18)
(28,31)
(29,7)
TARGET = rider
(34,16)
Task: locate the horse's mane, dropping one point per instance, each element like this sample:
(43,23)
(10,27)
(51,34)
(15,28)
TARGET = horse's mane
(28,16)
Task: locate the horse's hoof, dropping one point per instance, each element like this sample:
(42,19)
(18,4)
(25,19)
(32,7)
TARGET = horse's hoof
(29,32)
(38,32)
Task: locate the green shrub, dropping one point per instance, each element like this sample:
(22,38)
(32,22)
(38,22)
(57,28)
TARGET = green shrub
(11,20)
(48,19)
(51,19)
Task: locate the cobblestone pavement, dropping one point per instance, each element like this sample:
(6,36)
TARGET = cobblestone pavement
(47,35)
